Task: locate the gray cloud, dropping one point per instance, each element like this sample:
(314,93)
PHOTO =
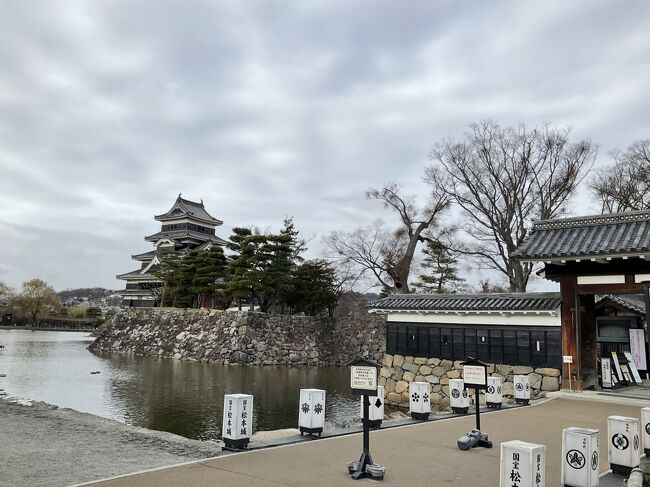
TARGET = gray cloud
(109,109)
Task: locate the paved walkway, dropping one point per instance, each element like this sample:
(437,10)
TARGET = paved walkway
(419,455)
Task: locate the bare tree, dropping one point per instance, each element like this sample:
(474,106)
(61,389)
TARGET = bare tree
(502,179)
(625,185)
(388,255)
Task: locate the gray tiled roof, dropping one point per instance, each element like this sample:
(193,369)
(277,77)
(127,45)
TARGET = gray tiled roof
(136,275)
(610,235)
(185,208)
(179,234)
(633,302)
(144,256)
(469,302)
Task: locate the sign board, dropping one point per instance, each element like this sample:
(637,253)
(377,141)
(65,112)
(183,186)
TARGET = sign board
(363,379)
(624,445)
(567,359)
(523,464)
(637,348)
(632,366)
(475,376)
(617,365)
(580,457)
(606,372)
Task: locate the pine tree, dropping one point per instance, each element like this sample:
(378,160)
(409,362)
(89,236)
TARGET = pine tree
(208,280)
(166,270)
(441,269)
(314,287)
(246,265)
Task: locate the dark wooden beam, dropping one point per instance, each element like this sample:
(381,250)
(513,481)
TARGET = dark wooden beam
(569,333)
(629,266)
(610,289)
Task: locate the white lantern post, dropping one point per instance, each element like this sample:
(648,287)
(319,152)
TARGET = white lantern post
(458,397)
(494,394)
(624,444)
(420,400)
(311,411)
(580,457)
(645,427)
(523,464)
(237,427)
(376,408)
(522,389)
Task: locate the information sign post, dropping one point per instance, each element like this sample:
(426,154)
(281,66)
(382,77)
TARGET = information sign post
(363,381)
(475,375)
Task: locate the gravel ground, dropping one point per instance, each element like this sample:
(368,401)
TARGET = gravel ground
(42,445)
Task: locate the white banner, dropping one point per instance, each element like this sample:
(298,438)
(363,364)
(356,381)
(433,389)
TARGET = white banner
(606,372)
(637,348)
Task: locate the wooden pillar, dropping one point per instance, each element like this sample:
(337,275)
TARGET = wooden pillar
(588,346)
(568,287)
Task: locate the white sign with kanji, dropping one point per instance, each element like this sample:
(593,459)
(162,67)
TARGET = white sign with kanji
(637,348)
(522,464)
(474,375)
(237,416)
(363,377)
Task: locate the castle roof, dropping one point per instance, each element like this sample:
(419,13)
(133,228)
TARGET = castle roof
(183,208)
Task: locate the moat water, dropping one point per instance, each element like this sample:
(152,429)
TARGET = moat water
(181,397)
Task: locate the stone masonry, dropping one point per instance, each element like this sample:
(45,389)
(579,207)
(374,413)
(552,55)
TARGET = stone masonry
(244,337)
(398,371)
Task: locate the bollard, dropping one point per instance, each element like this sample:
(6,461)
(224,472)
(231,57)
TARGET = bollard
(522,389)
(580,457)
(237,427)
(493,394)
(376,410)
(458,396)
(523,464)
(645,426)
(311,411)
(420,400)
(623,445)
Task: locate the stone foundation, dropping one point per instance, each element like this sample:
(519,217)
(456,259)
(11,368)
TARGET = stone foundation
(244,337)
(398,371)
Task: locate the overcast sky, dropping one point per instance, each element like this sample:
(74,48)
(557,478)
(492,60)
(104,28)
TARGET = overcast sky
(109,109)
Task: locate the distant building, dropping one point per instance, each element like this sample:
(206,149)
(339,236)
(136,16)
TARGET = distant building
(186,226)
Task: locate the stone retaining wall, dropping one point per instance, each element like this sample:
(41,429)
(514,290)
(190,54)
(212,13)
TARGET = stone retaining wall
(244,337)
(398,371)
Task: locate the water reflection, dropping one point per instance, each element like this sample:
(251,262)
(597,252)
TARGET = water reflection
(185,398)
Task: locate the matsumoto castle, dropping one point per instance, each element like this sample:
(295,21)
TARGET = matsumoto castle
(186,226)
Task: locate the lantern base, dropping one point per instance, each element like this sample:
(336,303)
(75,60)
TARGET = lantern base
(460,410)
(620,469)
(420,416)
(235,445)
(522,401)
(311,431)
(493,404)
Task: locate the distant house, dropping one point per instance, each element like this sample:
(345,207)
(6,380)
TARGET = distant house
(508,328)
(186,226)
